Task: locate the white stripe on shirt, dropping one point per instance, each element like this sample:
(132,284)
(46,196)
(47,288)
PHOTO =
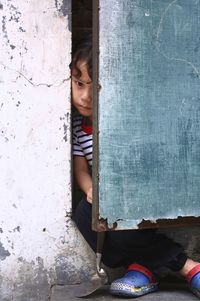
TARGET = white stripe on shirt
(82,142)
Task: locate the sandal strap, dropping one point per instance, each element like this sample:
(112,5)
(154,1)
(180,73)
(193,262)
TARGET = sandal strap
(193,272)
(142,269)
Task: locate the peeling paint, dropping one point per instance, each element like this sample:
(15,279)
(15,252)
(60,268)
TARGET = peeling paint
(65,270)
(17,229)
(64,7)
(34,279)
(4,30)
(3,253)
(65,127)
(22,29)
(15,14)
(56,3)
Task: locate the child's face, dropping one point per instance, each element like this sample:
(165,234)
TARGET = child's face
(82,91)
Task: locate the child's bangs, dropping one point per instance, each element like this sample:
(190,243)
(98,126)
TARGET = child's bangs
(83,53)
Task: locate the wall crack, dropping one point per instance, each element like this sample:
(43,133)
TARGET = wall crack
(34,84)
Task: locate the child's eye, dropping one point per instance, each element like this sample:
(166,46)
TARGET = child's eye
(79,84)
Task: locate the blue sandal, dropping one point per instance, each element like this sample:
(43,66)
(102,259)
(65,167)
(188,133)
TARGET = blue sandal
(138,281)
(193,278)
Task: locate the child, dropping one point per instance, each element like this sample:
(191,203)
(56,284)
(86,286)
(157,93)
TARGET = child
(140,251)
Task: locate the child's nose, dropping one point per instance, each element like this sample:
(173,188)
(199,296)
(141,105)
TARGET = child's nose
(87,95)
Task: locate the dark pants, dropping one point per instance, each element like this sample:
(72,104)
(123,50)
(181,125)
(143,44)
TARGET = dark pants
(122,248)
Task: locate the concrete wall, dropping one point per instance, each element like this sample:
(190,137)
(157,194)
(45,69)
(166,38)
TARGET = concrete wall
(39,245)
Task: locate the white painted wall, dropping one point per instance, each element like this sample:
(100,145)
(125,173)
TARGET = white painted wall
(38,243)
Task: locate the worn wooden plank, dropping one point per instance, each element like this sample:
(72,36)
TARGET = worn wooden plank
(149,110)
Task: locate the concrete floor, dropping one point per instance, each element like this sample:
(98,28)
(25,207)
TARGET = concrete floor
(64,293)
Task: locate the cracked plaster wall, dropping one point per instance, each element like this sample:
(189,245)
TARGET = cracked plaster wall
(38,241)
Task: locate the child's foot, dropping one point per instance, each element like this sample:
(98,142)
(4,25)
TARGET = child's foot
(136,282)
(191,271)
(193,278)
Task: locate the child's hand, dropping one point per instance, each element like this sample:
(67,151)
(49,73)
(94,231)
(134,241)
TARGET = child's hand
(89,195)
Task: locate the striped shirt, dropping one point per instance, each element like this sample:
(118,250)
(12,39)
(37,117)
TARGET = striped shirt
(82,142)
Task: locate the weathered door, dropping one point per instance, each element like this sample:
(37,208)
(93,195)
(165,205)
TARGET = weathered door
(147,111)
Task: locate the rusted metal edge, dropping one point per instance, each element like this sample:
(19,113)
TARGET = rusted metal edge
(102,224)
(180,221)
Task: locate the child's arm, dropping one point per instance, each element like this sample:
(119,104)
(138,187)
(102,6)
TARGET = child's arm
(83,177)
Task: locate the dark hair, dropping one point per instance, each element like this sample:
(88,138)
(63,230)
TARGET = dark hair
(82,52)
